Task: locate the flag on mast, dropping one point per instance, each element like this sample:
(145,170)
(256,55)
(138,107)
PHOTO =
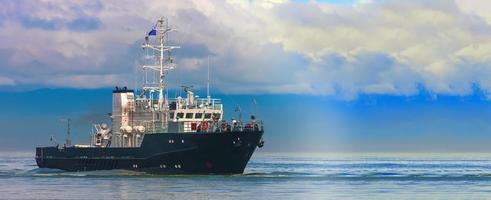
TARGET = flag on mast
(153,31)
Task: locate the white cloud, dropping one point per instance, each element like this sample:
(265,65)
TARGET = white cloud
(5,81)
(88,81)
(373,47)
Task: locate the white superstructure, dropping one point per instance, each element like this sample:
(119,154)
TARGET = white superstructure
(151,111)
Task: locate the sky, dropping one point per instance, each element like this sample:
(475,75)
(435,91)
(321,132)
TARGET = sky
(331,75)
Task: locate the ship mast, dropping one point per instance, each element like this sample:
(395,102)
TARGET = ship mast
(68,139)
(161,81)
(208,83)
(160,31)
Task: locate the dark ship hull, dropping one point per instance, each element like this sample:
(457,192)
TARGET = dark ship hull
(163,153)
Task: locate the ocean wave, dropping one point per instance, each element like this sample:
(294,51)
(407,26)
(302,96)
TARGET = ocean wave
(100,173)
(39,173)
(370,176)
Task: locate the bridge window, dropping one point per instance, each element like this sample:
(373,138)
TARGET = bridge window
(180,115)
(189,115)
(198,115)
(171,115)
(216,115)
(207,115)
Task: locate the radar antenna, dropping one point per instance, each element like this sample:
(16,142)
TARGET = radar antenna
(187,88)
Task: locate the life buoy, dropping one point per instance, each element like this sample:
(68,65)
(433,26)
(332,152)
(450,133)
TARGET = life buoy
(204,125)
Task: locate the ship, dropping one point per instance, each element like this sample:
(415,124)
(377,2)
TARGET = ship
(151,132)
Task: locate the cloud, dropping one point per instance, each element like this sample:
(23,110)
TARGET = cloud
(88,81)
(84,24)
(6,81)
(320,48)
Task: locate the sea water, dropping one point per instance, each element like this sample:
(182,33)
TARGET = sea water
(267,176)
